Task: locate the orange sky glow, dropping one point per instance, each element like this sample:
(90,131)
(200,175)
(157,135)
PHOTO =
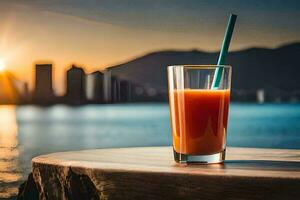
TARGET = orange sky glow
(29,35)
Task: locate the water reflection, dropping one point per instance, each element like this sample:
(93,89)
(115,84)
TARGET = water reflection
(10,174)
(28,131)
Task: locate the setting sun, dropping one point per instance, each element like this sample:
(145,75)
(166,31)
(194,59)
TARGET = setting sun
(2,64)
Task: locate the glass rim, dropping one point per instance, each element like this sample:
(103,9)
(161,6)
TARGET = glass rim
(199,66)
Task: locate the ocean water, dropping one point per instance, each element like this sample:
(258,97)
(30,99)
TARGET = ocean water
(28,131)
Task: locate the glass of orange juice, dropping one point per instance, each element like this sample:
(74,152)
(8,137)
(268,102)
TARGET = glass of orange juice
(199,113)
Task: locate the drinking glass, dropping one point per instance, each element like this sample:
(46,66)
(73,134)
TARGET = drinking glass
(199,112)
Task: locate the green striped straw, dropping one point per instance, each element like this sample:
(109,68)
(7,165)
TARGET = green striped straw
(224,51)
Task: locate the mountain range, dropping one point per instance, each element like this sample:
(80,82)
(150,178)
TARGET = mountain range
(275,69)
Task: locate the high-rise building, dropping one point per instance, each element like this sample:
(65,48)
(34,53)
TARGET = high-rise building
(22,90)
(112,88)
(125,91)
(107,86)
(43,92)
(94,87)
(260,96)
(75,85)
(115,89)
(10,89)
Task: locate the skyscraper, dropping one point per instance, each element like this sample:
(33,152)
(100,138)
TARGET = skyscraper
(107,86)
(125,91)
(94,87)
(115,89)
(11,89)
(43,92)
(75,85)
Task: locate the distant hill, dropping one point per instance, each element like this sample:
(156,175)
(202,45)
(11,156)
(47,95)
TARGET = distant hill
(254,68)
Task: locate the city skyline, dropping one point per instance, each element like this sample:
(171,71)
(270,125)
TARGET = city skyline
(127,83)
(109,33)
(98,87)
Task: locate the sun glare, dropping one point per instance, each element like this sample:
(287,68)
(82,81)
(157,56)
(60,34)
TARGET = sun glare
(2,64)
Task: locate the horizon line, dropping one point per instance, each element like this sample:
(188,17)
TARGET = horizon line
(47,61)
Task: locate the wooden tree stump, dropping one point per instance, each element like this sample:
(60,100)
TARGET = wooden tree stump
(151,173)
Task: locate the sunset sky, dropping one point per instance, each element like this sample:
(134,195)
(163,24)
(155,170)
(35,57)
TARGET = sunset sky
(97,34)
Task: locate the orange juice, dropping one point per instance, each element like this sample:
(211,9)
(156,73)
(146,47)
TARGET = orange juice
(199,120)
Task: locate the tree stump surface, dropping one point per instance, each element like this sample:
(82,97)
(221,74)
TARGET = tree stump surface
(151,173)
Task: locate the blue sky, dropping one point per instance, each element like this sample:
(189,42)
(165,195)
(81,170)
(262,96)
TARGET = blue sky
(177,14)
